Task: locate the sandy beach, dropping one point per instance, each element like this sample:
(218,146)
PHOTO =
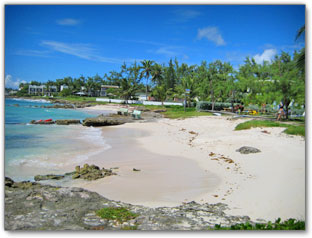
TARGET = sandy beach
(196,159)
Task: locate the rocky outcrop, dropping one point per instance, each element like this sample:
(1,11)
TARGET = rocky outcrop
(42,122)
(110,120)
(48,177)
(91,172)
(248,150)
(67,122)
(32,206)
(66,106)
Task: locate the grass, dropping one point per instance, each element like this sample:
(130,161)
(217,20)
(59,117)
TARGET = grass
(175,112)
(120,214)
(290,224)
(290,129)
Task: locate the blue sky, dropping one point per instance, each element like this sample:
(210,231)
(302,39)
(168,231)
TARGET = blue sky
(48,42)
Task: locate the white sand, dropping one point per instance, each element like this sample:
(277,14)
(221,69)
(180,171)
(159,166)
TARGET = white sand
(177,166)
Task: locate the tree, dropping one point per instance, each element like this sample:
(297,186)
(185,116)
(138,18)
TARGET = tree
(147,66)
(301,59)
(218,76)
(170,76)
(160,93)
(157,74)
(288,83)
(130,80)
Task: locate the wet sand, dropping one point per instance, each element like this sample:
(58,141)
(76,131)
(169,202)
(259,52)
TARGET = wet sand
(161,181)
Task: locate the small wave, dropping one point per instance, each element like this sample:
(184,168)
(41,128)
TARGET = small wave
(15,123)
(31,100)
(41,163)
(94,135)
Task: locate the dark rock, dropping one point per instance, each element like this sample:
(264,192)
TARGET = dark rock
(67,122)
(159,110)
(16,105)
(69,173)
(42,122)
(134,169)
(91,172)
(248,150)
(8,182)
(75,176)
(48,177)
(44,207)
(142,109)
(66,106)
(110,120)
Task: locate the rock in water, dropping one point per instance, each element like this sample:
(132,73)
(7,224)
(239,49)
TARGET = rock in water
(67,122)
(110,120)
(248,150)
(48,177)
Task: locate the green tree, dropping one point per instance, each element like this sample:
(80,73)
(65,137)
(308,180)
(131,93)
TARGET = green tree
(287,80)
(130,79)
(157,74)
(301,59)
(218,76)
(160,93)
(147,66)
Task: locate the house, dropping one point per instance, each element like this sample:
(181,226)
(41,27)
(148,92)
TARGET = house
(52,90)
(63,87)
(12,92)
(35,90)
(141,96)
(104,88)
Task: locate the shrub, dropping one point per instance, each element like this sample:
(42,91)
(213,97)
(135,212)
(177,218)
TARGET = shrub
(120,214)
(290,224)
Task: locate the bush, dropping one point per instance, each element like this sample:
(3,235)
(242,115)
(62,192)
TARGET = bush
(65,92)
(120,214)
(290,224)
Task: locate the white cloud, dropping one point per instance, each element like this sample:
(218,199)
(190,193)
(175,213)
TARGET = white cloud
(211,34)
(184,15)
(267,55)
(166,51)
(68,22)
(84,51)
(12,83)
(37,53)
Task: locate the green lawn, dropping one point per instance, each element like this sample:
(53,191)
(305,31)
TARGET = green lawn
(175,112)
(290,129)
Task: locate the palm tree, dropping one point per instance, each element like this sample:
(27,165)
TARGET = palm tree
(301,59)
(147,66)
(157,74)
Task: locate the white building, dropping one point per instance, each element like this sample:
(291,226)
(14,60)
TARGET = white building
(35,90)
(63,87)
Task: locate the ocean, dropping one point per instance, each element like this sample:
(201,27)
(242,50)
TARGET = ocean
(43,149)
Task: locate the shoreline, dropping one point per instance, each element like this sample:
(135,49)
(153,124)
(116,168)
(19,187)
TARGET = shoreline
(192,155)
(266,185)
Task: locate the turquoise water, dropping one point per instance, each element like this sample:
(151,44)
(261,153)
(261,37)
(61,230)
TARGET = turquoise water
(32,149)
